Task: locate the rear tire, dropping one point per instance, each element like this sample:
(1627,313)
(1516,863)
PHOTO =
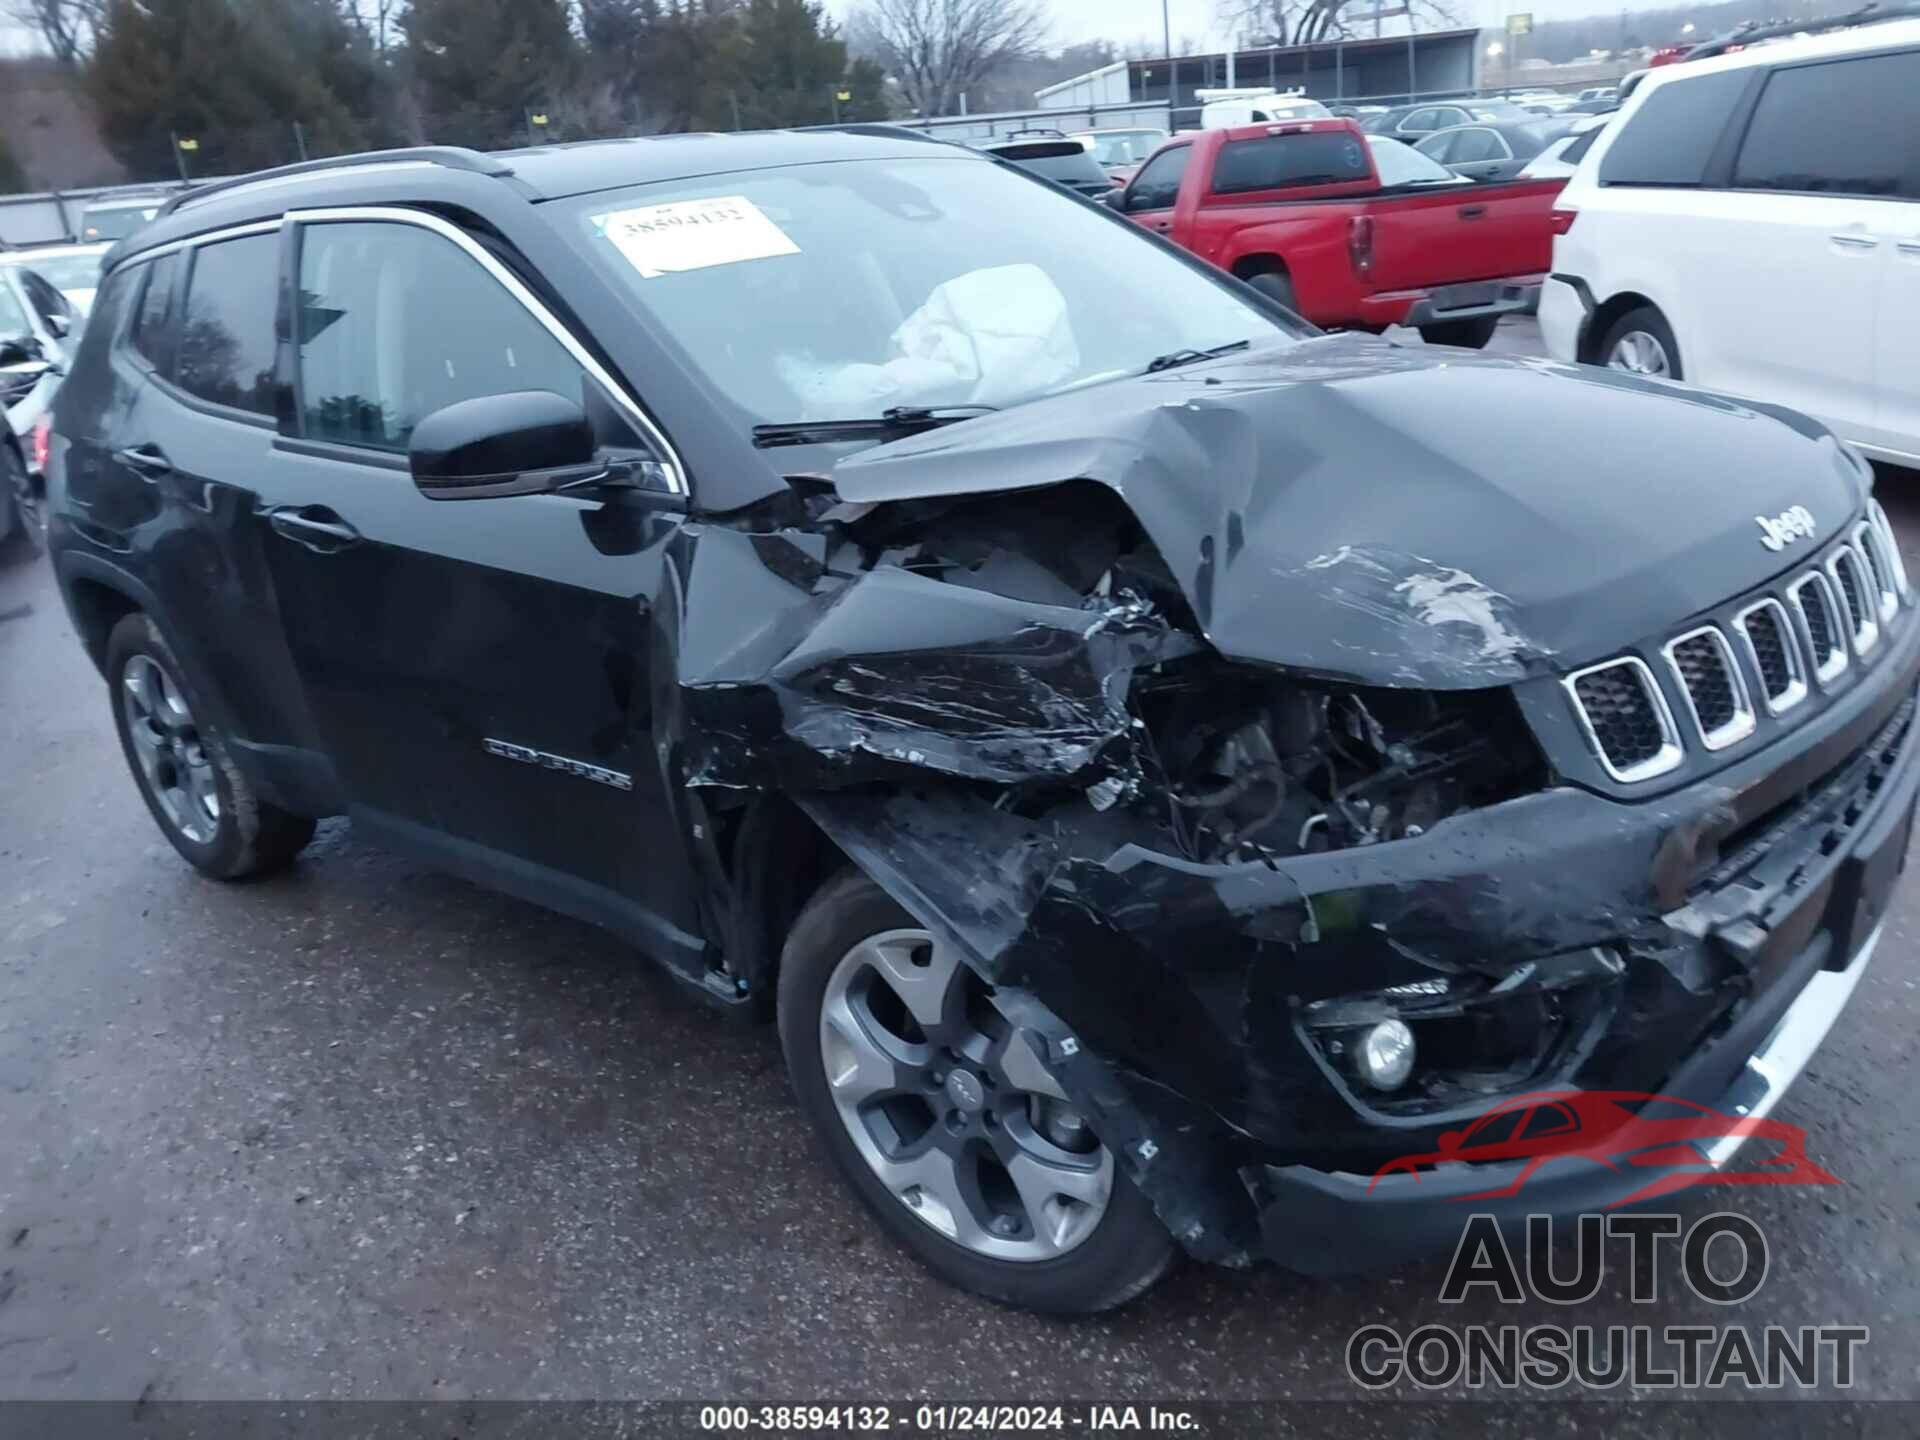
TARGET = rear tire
(1467,334)
(1276,286)
(1641,343)
(207,808)
(971,1222)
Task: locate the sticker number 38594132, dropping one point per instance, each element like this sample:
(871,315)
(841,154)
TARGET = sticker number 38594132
(693,234)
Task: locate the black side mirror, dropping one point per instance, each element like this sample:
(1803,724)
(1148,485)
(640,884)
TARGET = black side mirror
(526,442)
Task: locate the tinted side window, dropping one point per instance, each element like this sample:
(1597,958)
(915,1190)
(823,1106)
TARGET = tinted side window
(1274,162)
(43,297)
(1577,151)
(1672,136)
(1157,185)
(1472,145)
(396,322)
(153,332)
(1848,127)
(1421,121)
(226,327)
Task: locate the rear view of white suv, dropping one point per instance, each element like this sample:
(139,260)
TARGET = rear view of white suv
(1751,224)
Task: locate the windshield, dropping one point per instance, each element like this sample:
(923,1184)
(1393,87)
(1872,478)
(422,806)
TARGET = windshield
(836,291)
(1400,164)
(1124,147)
(116,224)
(67,272)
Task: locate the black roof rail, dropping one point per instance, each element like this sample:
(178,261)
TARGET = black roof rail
(1748,31)
(453,157)
(880,129)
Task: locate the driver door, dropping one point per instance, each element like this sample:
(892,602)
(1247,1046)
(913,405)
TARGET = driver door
(476,669)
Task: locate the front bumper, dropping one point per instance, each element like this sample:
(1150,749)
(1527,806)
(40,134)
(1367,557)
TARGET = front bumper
(1321,1223)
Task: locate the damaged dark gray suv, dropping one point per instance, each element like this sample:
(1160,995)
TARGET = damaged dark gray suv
(1161,764)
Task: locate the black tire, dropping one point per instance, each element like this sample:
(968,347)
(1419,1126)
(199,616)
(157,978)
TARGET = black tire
(1467,334)
(250,836)
(21,528)
(1121,1258)
(1276,286)
(1646,321)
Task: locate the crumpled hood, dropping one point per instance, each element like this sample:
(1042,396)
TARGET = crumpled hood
(1414,516)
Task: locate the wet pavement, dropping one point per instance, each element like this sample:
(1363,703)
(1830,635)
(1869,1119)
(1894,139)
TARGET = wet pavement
(364,1130)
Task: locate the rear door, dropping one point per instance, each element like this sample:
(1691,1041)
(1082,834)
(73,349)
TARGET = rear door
(477,669)
(1810,217)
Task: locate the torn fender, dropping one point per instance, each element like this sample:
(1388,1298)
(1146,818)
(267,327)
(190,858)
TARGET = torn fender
(792,676)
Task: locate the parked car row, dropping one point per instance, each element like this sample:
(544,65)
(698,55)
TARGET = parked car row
(44,297)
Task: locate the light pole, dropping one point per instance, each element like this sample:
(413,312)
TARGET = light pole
(1166,31)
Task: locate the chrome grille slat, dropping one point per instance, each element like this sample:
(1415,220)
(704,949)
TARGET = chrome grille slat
(1772,646)
(1854,582)
(1813,599)
(1711,683)
(1895,560)
(1872,547)
(1804,631)
(1625,719)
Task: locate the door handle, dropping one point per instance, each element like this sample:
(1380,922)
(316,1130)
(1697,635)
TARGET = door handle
(314,526)
(1163,225)
(1908,247)
(149,462)
(1852,240)
(1473,212)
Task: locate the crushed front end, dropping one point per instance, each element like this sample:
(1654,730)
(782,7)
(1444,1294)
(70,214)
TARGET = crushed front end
(1207,880)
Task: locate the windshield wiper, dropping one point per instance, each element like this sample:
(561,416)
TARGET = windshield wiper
(1188,357)
(899,421)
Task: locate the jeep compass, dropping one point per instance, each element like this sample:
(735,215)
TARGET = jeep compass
(1157,763)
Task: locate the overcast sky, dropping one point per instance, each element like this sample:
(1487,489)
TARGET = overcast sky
(1128,21)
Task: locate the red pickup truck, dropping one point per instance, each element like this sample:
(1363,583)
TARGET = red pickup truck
(1351,230)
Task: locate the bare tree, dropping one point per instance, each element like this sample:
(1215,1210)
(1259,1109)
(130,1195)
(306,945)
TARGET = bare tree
(375,18)
(67,27)
(1314,22)
(939,49)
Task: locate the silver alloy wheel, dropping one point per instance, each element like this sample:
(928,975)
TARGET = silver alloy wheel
(1640,352)
(167,743)
(950,1105)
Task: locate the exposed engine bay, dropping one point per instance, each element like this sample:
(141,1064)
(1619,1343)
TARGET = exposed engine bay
(1257,765)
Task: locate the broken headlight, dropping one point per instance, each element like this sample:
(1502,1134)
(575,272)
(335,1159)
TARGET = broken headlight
(1461,1038)
(1256,763)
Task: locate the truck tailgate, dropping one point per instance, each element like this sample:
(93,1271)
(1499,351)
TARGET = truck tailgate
(1468,232)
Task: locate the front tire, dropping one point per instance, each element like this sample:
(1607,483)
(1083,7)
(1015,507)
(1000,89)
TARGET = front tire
(1641,342)
(207,808)
(939,1115)
(22,513)
(1467,334)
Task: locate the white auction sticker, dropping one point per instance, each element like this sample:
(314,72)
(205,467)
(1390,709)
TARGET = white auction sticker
(693,234)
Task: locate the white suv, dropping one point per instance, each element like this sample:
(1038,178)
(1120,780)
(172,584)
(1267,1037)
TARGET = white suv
(1751,223)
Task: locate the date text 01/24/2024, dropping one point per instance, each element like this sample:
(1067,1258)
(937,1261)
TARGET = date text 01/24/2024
(944,1418)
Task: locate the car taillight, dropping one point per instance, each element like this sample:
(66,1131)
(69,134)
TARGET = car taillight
(1360,243)
(42,442)
(1563,220)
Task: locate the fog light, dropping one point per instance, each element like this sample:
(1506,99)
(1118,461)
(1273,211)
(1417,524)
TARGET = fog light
(1384,1054)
